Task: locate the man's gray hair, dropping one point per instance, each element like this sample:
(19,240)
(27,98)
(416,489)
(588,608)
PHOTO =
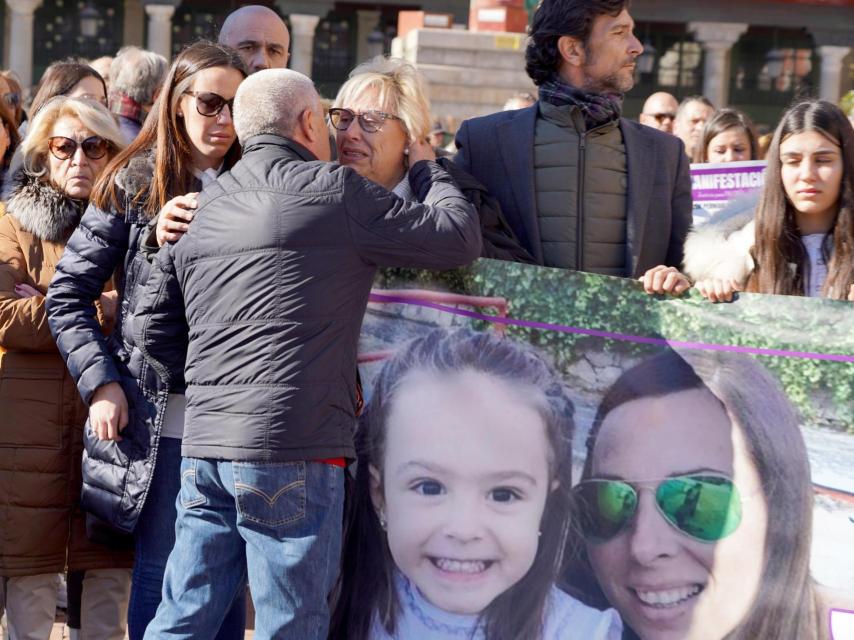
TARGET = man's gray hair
(271,101)
(137,73)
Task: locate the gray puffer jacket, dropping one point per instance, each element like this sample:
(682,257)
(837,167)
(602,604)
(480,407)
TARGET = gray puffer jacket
(268,287)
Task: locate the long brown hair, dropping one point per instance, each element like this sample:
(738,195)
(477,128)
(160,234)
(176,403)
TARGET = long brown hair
(366,589)
(7,119)
(165,135)
(786,605)
(778,241)
(724,120)
(60,78)
(15,87)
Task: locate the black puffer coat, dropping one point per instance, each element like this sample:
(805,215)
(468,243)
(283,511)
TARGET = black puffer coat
(116,475)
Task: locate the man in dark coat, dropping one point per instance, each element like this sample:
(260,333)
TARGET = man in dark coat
(581,187)
(259,306)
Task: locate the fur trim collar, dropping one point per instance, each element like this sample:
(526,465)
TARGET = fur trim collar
(134,179)
(720,251)
(42,209)
(137,174)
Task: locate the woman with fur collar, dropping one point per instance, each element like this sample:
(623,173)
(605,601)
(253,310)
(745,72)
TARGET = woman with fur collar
(42,529)
(131,472)
(801,239)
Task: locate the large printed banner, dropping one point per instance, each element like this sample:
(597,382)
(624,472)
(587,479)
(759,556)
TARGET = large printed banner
(715,186)
(540,441)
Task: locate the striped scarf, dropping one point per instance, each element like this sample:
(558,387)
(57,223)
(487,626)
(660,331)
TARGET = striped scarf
(597,109)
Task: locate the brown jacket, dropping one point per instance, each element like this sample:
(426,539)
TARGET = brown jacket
(42,529)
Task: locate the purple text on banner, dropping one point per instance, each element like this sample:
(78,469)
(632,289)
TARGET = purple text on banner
(725,181)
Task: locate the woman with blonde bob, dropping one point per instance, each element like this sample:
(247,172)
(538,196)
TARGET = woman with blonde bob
(42,418)
(382,110)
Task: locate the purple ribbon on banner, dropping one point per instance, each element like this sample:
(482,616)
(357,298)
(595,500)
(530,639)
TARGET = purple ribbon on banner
(704,346)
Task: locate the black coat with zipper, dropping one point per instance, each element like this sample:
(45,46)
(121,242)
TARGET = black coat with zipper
(269,287)
(116,475)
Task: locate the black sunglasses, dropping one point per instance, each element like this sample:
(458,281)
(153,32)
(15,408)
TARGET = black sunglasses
(62,148)
(370,121)
(210,104)
(12,99)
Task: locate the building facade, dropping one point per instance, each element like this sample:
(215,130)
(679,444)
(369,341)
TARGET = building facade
(758,55)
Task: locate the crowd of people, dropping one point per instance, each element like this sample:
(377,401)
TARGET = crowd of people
(186,254)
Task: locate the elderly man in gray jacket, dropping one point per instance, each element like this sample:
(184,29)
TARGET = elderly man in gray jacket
(259,307)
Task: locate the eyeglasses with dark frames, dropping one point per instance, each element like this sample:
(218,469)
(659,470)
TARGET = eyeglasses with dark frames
(210,104)
(370,121)
(62,148)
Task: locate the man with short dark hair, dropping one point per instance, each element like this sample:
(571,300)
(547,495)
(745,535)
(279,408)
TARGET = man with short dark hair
(582,187)
(259,35)
(659,111)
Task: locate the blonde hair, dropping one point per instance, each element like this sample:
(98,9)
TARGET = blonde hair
(401,91)
(93,115)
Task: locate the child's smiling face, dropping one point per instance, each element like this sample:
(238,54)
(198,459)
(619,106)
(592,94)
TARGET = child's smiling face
(464,486)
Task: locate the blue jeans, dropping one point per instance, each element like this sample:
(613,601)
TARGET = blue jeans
(154,538)
(278,522)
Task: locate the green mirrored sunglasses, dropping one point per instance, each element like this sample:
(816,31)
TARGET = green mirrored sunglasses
(706,507)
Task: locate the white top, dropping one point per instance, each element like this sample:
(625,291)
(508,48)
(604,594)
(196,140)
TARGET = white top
(207,176)
(818,267)
(173,419)
(176,405)
(566,619)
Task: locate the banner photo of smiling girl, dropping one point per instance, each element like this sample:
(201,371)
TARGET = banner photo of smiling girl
(548,454)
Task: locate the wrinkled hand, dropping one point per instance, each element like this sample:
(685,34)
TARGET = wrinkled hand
(26,291)
(420,150)
(108,411)
(109,303)
(663,279)
(717,290)
(174,218)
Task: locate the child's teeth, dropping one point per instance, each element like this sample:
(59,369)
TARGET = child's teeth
(461,566)
(669,597)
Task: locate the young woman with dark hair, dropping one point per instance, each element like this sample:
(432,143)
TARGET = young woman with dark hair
(135,422)
(9,141)
(73,78)
(728,136)
(800,242)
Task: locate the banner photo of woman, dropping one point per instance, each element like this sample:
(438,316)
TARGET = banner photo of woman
(550,454)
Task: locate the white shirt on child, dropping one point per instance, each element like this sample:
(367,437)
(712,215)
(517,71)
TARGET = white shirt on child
(818,267)
(566,619)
